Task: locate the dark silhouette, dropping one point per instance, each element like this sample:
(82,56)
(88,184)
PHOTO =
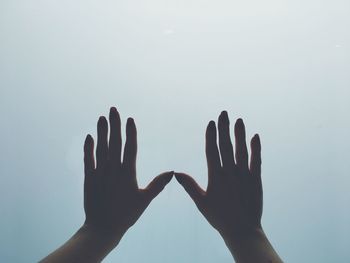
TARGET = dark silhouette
(112,200)
(232,203)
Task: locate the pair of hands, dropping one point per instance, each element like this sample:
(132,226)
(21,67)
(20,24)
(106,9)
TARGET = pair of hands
(232,202)
(113,202)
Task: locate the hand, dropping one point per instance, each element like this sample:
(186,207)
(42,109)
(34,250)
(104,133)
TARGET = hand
(232,202)
(112,200)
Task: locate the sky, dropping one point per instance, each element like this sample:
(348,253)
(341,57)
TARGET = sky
(282,66)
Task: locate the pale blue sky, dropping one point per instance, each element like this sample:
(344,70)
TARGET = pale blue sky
(283,66)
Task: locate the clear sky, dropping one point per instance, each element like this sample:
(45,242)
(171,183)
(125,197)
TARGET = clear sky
(173,65)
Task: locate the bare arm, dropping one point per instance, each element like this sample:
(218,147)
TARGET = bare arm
(85,245)
(112,199)
(232,202)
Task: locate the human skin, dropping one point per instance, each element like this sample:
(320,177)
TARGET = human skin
(112,199)
(233,200)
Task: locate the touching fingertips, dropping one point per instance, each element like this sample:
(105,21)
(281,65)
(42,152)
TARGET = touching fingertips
(179,178)
(168,176)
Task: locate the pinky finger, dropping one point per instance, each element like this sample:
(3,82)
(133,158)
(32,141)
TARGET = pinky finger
(89,161)
(255,160)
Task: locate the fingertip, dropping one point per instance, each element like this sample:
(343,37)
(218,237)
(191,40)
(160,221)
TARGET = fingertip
(211,128)
(239,127)
(88,138)
(255,161)
(113,113)
(86,145)
(88,153)
(239,122)
(102,118)
(181,177)
(130,124)
(102,129)
(211,124)
(256,140)
(221,120)
(89,141)
(168,176)
(191,187)
(178,177)
(223,123)
(158,184)
(224,115)
(130,121)
(257,137)
(102,121)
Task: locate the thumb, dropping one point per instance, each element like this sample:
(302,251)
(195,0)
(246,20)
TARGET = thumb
(158,184)
(191,187)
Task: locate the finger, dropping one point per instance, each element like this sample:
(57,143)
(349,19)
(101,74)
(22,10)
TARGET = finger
(225,143)
(102,146)
(241,146)
(89,161)
(115,138)
(89,166)
(130,150)
(212,152)
(255,170)
(255,159)
(158,184)
(191,187)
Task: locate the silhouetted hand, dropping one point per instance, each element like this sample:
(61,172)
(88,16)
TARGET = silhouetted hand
(112,199)
(232,202)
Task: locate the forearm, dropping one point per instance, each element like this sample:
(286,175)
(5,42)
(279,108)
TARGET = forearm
(85,245)
(252,248)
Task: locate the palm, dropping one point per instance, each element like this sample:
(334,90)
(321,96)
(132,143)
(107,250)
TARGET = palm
(112,199)
(243,210)
(109,208)
(232,202)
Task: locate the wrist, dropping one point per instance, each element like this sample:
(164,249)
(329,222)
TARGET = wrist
(247,235)
(251,246)
(103,238)
(87,245)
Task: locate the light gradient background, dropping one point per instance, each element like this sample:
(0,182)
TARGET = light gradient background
(283,66)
